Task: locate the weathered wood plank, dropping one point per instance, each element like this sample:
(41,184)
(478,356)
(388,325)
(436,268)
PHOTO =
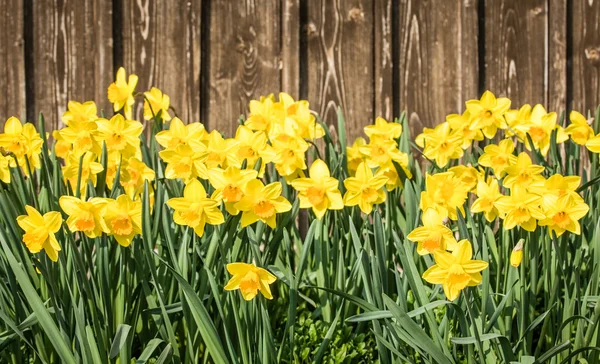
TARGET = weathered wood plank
(340,61)
(290,47)
(161,44)
(438,59)
(12,59)
(244,58)
(383,72)
(73,56)
(586,54)
(557,56)
(515,32)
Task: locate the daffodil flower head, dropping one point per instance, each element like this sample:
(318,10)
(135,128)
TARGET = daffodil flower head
(468,175)
(82,136)
(520,208)
(252,145)
(354,155)
(365,189)
(516,256)
(89,171)
(290,155)
(444,192)
(4,168)
(85,216)
(250,279)
(123,219)
(442,145)
(433,235)
(155,103)
(319,191)
(455,271)
(488,193)
(461,125)
(262,203)
(383,130)
(220,151)
(121,135)
(40,230)
(563,213)
(195,209)
(185,163)
(230,184)
(382,152)
(80,112)
(540,130)
(192,134)
(120,92)
(579,130)
(298,115)
(487,113)
(499,157)
(523,173)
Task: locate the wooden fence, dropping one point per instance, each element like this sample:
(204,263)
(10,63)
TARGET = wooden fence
(371,57)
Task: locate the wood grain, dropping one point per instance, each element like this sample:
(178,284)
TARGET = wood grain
(340,62)
(515,41)
(12,59)
(289,63)
(557,56)
(161,44)
(438,59)
(244,46)
(73,56)
(383,72)
(586,55)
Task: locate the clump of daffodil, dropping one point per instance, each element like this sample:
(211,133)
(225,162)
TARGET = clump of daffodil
(184,162)
(433,235)
(262,203)
(195,209)
(444,192)
(442,145)
(250,279)
(461,125)
(579,130)
(523,173)
(121,136)
(156,104)
(365,189)
(320,191)
(229,185)
(123,218)
(487,193)
(84,216)
(120,92)
(192,135)
(455,271)
(40,230)
(520,208)
(487,113)
(499,157)
(563,213)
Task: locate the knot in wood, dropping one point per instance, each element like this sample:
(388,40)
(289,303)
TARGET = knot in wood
(311,30)
(356,15)
(593,55)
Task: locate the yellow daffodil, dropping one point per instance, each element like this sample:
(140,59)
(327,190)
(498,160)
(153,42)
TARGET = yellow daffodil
(250,279)
(195,209)
(455,271)
(12,140)
(499,157)
(289,156)
(579,130)
(4,168)
(83,137)
(354,155)
(155,103)
(444,192)
(120,92)
(563,213)
(442,145)
(320,191)
(251,146)
(383,130)
(487,113)
(185,163)
(84,216)
(220,151)
(516,256)
(520,208)
(487,195)
(133,176)
(62,148)
(365,189)
(421,139)
(389,170)
(557,185)
(468,175)
(89,169)
(80,113)
(461,125)
(433,235)
(123,218)
(523,173)
(382,152)
(540,130)
(229,184)
(122,136)
(518,122)
(192,134)
(34,143)
(262,203)
(40,230)
(264,113)
(302,121)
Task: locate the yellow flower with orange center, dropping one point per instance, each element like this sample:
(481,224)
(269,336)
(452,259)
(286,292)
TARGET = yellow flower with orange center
(251,146)
(121,135)
(262,203)
(195,209)
(89,169)
(455,271)
(192,134)
(82,136)
(520,208)
(563,213)
(120,92)
(250,279)
(80,113)
(354,155)
(84,216)
(365,189)
(579,130)
(185,163)
(498,157)
(382,130)
(487,195)
(487,113)
(220,151)
(40,230)
(290,155)
(442,145)
(320,191)
(523,173)
(433,235)
(444,192)
(461,125)
(229,184)
(123,218)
